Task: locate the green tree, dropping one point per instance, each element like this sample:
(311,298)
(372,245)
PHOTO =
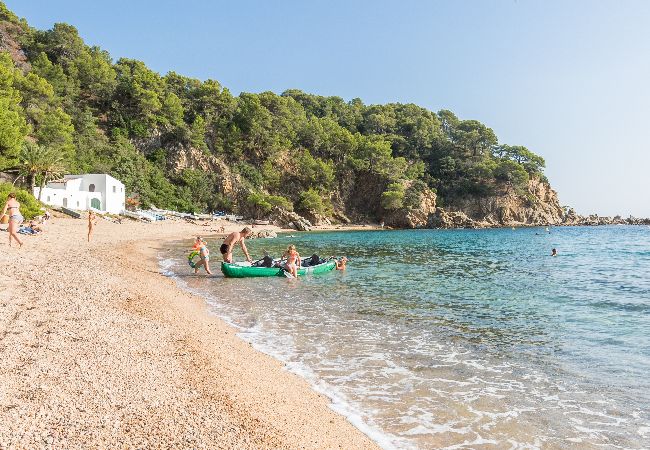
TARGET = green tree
(312,201)
(13,127)
(393,197)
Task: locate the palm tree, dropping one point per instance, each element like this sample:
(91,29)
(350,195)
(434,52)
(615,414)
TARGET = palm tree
(31,159)
(39,160)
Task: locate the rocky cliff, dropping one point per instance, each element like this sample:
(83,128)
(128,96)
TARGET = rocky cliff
(538,206)
(358,200)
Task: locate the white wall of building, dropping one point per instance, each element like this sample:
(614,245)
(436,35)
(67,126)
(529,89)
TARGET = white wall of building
(82,192)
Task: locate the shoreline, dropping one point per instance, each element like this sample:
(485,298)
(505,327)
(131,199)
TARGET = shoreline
(101,349)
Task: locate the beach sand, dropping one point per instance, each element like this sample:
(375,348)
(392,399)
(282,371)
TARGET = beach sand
(99,349)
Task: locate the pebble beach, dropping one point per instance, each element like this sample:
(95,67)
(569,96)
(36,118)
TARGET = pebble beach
(101,350)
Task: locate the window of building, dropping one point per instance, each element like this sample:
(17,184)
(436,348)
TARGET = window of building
(91,188)
(77,204)
(48,198)
(114,189)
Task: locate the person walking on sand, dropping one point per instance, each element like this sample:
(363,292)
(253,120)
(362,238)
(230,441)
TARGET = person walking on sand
(204,254)
(92,221)
(12,208)
(233,239)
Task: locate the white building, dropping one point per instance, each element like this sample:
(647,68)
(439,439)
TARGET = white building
(97,191)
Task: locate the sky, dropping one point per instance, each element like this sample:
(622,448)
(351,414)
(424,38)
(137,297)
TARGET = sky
(570,80)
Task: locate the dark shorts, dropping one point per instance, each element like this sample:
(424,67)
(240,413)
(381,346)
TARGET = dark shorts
(224,249)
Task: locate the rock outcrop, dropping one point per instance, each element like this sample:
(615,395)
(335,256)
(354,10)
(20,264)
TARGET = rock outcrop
(571,218)
(413,217)
(539,206)
(289,219)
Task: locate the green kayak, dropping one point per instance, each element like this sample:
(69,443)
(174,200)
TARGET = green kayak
(237,271)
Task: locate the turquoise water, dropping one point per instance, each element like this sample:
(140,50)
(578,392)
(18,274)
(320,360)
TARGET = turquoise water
(462,338)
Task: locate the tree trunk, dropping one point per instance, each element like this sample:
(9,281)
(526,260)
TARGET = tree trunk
(40,191)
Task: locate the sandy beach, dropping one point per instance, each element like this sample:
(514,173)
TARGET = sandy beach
(100,350)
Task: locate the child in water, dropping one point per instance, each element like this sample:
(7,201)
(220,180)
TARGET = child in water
(340,263)
(554,252)
(293,260)
(204,254)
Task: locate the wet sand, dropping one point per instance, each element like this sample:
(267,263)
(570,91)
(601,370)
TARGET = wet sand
(98,349)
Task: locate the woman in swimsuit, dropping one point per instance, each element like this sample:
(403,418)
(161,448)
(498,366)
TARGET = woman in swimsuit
(12,207)
(204,254)
(293,260)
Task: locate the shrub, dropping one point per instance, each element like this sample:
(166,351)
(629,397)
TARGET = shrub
(279,201)
(29,206)
(313,202)
(258,203)
(393,197)
(413,194)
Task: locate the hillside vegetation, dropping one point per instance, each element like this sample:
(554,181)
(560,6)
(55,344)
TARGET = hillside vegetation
(190,145)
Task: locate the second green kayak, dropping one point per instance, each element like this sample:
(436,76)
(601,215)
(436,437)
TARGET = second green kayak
(237,271)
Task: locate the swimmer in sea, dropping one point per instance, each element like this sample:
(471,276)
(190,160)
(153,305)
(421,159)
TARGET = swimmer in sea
(340,264)
(554,252)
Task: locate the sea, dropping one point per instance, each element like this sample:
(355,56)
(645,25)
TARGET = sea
(459,338)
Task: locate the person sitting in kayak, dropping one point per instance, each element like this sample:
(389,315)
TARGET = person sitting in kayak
(293,260)
(233,239)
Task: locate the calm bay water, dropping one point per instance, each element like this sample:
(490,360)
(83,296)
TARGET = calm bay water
(461,338)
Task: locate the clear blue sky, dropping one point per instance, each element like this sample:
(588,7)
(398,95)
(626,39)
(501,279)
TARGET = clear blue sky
(568,79)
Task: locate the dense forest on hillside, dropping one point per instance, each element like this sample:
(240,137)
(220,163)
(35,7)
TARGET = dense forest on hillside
(66,107)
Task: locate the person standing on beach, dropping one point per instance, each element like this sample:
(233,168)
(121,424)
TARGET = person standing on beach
(92,221)
(233,239)
(12,208)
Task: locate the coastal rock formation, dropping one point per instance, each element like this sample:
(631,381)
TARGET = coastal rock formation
(289,219)
(264,234)
(538,206)
(450,219)
(414,217)
(571,218)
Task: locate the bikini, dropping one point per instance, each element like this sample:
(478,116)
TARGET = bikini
(205,253)
(291,259)
(16,217)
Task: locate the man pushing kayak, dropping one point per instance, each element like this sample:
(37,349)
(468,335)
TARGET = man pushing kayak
(233,239)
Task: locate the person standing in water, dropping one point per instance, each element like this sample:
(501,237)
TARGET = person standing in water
(12,208)
(204,254)
(554,252)
(293,260)
(92,221)
(233,239)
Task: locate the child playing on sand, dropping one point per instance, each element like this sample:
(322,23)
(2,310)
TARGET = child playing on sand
(204,254)
(293,260)
(92,221)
